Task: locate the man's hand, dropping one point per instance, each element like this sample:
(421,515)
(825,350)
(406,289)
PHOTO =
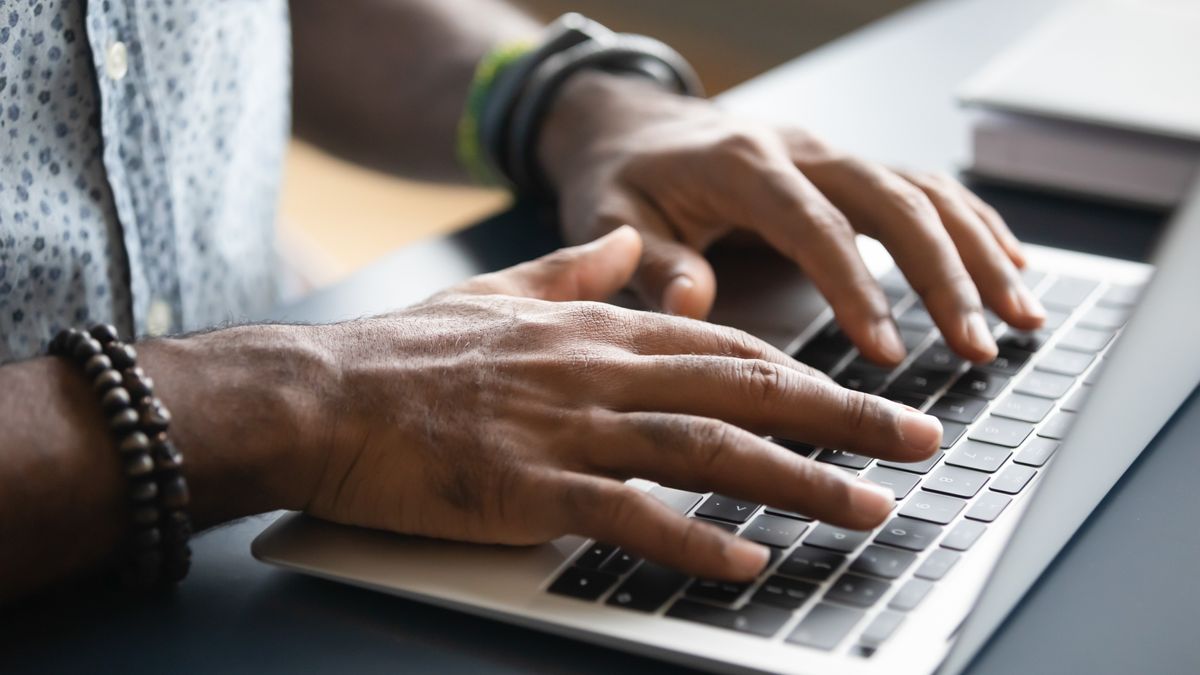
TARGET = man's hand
(620,151)
(510,410)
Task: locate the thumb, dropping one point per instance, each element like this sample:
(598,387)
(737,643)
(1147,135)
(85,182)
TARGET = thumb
(592,271)
(675,277)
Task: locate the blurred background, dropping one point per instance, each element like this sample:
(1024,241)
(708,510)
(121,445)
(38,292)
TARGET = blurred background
(337,217)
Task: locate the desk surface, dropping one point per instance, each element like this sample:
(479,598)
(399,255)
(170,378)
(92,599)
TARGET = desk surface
(883,92)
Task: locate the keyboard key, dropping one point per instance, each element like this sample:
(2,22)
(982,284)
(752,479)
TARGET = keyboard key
(836,538)
(1045,385)
(880,629)
(922,466)
(1054,320)
(758,620)
(1024,408)
(803,449)
(1121,296)
(899,482)
(978,456)
(999,431)
(860,591)
(881,561)
(1032,278)
(992,319)
(648,588)
(862,378)
(962,535)
(621,562)
(912,338)
(951,432)
(956,481)
(843,458)
(904,397)
(988,507)
(724,592)
(1077,399)
(1104,318)
(1086,340)
(584,584)
(915,317)
(1028,341)
(938,356)
(679,501)
(725,508)
(1008,361)
(920,380)
(1013,479)
(910,595)
(595,555)
(937,564)
(807,562)
(907,533)
(826,350)
(786,514)
(1058,426)
(779,591)
(1036,452)
(976,382)
(774,530)
(1067,293)
(935,508)
(1064,362)
(731,528)
(825,626)
(957,408)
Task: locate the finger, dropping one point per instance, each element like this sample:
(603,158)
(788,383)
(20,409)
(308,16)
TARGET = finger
(613,512)
(671,275)
(592,271)
(705,454)
(995,222)
(670,335)
(769,399)
(995,276)
(883,205)
(794,217)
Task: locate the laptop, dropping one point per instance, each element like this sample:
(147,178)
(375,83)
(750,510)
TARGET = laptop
(1033,441)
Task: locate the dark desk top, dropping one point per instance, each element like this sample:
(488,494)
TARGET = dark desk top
(883,92)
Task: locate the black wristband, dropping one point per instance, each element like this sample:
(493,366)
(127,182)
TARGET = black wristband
(631,54)
(157,551)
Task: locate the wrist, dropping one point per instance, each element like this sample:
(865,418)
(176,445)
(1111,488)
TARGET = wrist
(246,404)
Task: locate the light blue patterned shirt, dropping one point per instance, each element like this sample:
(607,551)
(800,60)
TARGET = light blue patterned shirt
(141,146)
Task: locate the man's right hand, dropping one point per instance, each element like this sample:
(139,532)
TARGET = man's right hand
(512,408)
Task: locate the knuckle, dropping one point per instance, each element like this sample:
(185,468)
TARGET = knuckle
(912,201)
(762,380)
(712,443)
(599,321)
(742,147)
(855,409)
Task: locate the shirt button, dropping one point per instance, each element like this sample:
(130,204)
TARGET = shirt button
(116,61)
(158,320)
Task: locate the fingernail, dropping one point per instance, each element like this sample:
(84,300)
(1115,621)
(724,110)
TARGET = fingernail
(888,339)
(871,499)
(979,334)
(748,558)
(675,296)
(920,432)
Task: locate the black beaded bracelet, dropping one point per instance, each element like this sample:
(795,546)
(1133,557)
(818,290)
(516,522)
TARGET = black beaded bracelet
(157,546)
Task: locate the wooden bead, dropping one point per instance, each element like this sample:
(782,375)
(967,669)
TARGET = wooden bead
(72,340)
(145,515)
(124,421)
(155,417)
(138,383)
(123,356)
(96,365)
(86,347)
(138,465)
(142,491)
(58,345)
(114,400)
(104,333)
(106,380)
(134,443)
(166,456)
(173,492)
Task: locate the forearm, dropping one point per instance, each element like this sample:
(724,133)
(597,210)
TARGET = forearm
(383,82)
(239,399)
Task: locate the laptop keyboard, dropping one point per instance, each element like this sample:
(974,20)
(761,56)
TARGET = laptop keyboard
(831,588)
